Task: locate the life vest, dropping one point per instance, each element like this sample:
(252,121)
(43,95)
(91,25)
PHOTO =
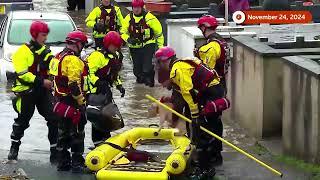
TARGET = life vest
(111,24)
(137,30)
(223,63)
(39,67)
(61,81)
(202,75)
(110,71)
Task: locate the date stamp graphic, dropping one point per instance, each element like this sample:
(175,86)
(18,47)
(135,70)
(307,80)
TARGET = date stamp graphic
(271,17)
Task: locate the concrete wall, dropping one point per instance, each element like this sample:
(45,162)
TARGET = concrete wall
(301,108)
(249,92)
(175,33)
(192,37)
(255,89)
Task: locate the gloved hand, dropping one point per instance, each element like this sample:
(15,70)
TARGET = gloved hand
(82,108)
(195,135)
(80,100)
(196,52)
(102,86)
(133,41)
(99,27)
(166,99)
(121,90)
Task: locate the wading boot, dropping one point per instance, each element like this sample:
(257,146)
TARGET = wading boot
(64,161)
(149,82)
(202,174)
(13,153)
(139,80)
(217,160)
(77,165)
(53,155)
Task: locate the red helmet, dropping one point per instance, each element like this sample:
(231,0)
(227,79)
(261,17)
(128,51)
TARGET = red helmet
(137,3)
(77,36)
(208,21)
(165,53)
(38,27)
(114,38)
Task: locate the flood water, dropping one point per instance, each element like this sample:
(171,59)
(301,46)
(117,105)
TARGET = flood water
(133,106)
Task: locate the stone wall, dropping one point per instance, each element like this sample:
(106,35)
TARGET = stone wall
(301,107)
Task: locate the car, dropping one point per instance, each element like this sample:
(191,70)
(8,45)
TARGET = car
(14,31)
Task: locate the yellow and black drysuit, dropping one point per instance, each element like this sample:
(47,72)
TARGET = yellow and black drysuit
(103,19)
(31,64)
(214,54)
(70,74)
(197,85)
(104,70)
(142,33)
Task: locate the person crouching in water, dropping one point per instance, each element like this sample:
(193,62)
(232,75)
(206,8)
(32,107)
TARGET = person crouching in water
(69,72)
(198,86)
(104,66)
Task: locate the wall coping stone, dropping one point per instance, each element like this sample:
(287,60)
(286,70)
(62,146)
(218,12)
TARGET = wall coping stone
(304,63)
(189,20)
(265,50)
(195,32)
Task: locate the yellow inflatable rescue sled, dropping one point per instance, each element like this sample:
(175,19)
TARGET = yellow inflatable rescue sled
(112,163)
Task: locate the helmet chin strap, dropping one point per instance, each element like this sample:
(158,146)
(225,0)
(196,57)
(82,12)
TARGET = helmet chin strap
(78,48)
(204,32)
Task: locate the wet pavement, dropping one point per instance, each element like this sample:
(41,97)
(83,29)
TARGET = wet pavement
(34,151)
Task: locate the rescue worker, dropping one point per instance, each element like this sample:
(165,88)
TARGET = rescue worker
(104,67)
(214,53)
(70,72)
(102,19)
(33,88)
(198,85)
(142,31)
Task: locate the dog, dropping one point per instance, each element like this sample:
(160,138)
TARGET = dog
(166,117)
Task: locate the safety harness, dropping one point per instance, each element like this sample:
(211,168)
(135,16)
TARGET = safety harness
(111,23)
(39,67)
(137,30)
(110,71)
(60,80)
(202,75)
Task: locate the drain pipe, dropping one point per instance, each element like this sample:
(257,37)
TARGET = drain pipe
(226,12)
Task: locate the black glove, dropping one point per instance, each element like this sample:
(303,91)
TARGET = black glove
(102,86)
(99,27)
(196,53)
(82,108)
(133,41)
(195,130)
(121,89)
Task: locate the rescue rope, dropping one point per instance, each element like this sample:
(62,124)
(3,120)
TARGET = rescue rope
(216,136)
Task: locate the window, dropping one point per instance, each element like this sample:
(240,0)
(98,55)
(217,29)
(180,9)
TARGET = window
(19,30)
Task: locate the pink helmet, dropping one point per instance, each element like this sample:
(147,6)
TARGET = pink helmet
(137,3)
(208,21)
(77,36)
(38,27)
(114,38)
(165,53)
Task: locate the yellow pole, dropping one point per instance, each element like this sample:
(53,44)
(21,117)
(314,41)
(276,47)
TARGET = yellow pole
(216,136)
